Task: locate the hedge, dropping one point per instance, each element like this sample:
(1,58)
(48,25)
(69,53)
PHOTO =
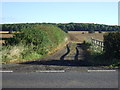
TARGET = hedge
(112,45)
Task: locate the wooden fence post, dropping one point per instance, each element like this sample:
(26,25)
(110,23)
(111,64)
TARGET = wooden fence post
(97,42)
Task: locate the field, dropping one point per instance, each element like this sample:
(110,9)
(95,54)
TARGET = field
(4,31)
(80,37)
(2,41)
(4,35)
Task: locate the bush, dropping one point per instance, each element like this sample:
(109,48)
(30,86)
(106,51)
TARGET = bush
(42,35)
(87,44)
(83,32)
(33,43)
(112,45)
(100,31)
(110,56)
(91,31)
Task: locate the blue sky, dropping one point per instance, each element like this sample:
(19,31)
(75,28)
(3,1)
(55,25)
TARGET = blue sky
(60,12)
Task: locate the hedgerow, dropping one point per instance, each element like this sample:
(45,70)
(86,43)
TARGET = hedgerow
(112,45)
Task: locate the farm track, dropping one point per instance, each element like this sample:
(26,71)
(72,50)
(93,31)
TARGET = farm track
(65,59)
(68,56)
(71,57)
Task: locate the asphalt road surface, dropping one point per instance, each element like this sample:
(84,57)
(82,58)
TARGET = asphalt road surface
(76,73)
(61,80)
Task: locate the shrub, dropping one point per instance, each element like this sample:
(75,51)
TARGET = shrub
(87,44)
(42,35)
(100,31)
(112,45)
(91,31)
(35,42)
(83,32)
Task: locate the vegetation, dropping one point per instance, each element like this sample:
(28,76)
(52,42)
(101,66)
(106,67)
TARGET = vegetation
(32,43)
(112,45)
(107,57)
(35,40)
(90,27)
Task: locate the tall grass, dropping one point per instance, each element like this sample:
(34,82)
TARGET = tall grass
(11,53)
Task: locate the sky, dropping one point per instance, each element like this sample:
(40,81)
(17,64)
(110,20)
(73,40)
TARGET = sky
(60,12)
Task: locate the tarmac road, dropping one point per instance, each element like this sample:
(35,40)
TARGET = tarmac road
(76,73)
(61,80)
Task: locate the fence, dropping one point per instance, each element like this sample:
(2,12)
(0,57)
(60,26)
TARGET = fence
(97,42)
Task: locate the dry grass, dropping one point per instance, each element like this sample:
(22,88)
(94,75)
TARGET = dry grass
(72,49)
(77,36)
(12,54)
(6,35)
(4,31)
(2,41)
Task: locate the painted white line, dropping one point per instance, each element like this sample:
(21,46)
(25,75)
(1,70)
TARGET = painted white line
(101,70)
(46,71)
(6,71)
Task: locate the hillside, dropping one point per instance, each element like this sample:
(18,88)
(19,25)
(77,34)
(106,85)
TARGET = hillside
(33,43)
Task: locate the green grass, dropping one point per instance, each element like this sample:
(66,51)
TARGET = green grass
(32,43)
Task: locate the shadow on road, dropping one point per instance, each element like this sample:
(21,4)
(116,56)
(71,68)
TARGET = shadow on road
(68,50)
(61,61)
(77,53)
(58,63)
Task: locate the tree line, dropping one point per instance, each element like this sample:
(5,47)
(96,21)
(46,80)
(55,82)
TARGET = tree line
(91,27)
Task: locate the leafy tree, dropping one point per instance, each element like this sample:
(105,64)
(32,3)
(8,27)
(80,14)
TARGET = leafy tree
(112,45)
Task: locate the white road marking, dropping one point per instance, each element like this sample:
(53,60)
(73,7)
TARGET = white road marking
(52,71)
(6,71)
(101,70)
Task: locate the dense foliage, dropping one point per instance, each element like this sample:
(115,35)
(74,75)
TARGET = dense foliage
(33,43)
(91,27)
(109,57)
(112,45)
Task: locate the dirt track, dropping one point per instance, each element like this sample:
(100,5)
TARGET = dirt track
(65,59)
(70,57)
